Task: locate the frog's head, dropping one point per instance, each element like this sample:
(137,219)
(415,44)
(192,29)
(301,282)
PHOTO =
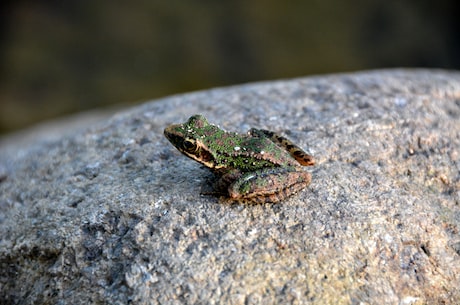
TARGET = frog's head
(190,139)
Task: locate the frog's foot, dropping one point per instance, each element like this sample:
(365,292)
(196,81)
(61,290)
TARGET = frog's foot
(269,185)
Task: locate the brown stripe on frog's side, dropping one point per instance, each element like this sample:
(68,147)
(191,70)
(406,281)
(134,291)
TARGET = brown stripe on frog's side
(295,151)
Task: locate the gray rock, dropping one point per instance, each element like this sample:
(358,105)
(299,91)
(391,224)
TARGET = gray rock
(113,214)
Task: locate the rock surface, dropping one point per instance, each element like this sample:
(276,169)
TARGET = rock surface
(114,215)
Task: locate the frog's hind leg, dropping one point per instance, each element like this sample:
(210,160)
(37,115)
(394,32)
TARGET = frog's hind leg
(295,151)
(277,197)
(269,185)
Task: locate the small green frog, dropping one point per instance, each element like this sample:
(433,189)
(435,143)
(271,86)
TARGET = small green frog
(260,166)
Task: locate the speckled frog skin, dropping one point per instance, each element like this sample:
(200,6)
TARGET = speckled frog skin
(258,167)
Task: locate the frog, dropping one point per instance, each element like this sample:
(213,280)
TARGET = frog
(260,166)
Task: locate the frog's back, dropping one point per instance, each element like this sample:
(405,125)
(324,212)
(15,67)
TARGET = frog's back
(264,151)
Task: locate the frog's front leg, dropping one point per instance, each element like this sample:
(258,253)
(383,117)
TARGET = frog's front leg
(226,179)
(268,185)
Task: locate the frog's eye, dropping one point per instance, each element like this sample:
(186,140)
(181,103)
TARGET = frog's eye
(189,145)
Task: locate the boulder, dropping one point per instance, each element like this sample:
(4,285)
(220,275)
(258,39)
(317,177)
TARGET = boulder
(112,213)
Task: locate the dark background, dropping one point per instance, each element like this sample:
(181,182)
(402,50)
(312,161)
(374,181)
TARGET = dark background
(60,57)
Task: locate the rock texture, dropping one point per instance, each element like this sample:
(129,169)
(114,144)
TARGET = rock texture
(114,215)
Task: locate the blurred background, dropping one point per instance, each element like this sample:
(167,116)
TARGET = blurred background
(63,57)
